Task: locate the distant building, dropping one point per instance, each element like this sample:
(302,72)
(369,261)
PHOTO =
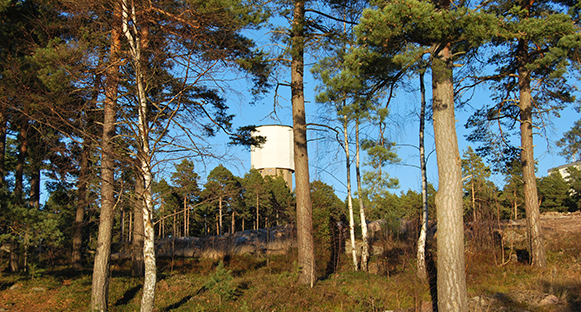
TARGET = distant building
(276,156)
(563,169)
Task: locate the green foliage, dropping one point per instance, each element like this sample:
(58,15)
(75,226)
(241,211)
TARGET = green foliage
(512,196)
(478,191)
(255,194)
(574,182)
(570,143)
(34,271)
(553,193)
(222,188)
(541,39)
(185,178)
(220,283)
(244,137)
(270,195)
(328,211)
(281,199)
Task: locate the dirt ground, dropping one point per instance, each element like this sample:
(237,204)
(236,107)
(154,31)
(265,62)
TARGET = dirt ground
(555,223)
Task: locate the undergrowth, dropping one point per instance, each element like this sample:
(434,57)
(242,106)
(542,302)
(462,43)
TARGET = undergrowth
(249,283)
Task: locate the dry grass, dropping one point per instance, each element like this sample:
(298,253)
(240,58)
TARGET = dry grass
(268,283)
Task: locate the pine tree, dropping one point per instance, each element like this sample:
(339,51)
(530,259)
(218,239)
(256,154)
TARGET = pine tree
(305,241)
(535,42)
(570,143)
(223,190)
(475,175)
(255,195)
(553,193)
(390,36)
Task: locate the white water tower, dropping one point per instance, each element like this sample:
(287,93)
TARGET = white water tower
(276,155)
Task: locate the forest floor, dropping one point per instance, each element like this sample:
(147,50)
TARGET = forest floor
(496,281)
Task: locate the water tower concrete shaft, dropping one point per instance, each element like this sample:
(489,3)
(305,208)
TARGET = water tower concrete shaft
(276,155)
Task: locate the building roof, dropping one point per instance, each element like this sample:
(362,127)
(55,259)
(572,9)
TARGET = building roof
(576,163)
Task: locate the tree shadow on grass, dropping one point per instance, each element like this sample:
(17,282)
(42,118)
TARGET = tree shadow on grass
(4,286)
(128,295)
(183,301)
(178,304)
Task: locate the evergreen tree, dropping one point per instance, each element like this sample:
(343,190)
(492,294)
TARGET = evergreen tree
(303,195)
(328,211)
(186,180)
(570,143)
(223,191)
(512,193)
(574,182)
(475,178)
(390,37)
(535,42)
(255,195)
(281,206)
(553,193)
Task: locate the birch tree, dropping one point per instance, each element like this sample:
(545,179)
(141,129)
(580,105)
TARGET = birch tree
(421,254)
(157,101)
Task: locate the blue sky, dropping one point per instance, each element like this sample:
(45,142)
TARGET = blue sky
(327,160)
(325,157)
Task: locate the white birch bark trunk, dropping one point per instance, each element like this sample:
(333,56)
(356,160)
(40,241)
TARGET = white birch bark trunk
(364,235)
(136,44)
(421,256)
(349,197)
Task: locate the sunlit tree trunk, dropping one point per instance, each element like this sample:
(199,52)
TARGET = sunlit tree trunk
(305,241)
(81,206)
(22,138)
(349,197)
(421,255)
(452,293)
(536,244)
(364,236)
(34,179)
(100,284)
(137,262)
(138,41)
(220,230)
(185,217)
(257,210)
(233,226)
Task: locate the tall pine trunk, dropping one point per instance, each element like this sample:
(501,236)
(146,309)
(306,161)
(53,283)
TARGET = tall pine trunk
(185,216)
(452,293)
(22,138)
(305,239)
(257,210)
(233,226)
(36,155)
(536,244)
(100,284)
(81,206)
(3,130)
(220,216)
(19,186)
